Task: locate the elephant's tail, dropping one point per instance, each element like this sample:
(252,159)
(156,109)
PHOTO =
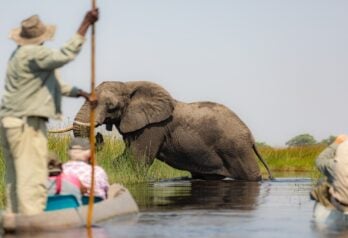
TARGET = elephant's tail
(270,176)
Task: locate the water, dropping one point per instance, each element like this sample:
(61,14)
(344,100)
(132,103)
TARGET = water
(184,208)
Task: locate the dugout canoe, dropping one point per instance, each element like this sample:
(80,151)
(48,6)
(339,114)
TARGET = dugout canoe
(120,204)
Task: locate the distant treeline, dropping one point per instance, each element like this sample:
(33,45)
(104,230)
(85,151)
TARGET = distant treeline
(303,140)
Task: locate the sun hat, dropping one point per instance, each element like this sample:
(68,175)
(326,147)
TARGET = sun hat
(79,143)
(32,32)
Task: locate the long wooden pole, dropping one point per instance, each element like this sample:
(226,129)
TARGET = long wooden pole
(91,134)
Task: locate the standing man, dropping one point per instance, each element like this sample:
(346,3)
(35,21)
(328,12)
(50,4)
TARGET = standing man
(32,95)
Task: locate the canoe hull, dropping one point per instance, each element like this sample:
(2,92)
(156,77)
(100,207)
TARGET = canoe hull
(120,205)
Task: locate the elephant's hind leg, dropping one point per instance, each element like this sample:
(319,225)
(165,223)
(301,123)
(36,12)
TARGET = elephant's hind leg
(242,166)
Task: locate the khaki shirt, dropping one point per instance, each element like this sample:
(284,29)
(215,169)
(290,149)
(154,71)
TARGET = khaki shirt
(33,86)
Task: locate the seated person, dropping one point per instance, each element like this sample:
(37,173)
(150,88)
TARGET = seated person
(333,163)
(60,183)
(79,165)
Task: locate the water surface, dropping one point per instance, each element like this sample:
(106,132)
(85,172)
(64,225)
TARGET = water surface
(187,208)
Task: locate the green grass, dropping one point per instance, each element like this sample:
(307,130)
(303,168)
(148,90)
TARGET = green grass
(120,168)
(291,160)
(125,170)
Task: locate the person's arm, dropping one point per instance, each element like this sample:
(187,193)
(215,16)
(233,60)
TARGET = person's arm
(65,89)
(49,59)
(93,100)
(71,91)
(90,18)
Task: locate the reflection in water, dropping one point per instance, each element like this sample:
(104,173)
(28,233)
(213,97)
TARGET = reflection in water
(78,233)
(210,209)
(197,194)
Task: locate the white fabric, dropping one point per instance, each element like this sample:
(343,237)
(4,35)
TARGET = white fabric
(340,184)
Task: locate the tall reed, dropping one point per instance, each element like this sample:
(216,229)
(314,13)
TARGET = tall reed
(291,159)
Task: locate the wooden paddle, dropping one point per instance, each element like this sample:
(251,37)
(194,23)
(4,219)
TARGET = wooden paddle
(91,134)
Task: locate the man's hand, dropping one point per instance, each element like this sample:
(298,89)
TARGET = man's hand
(90,18)
(92,99)
(341,138)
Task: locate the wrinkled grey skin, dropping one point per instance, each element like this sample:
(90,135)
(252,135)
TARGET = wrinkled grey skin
(204,138)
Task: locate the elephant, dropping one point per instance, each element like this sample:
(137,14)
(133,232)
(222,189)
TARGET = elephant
(205,138)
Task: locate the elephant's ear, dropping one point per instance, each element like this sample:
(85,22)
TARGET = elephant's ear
(149,103)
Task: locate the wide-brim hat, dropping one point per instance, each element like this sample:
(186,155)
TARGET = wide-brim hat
(32,32)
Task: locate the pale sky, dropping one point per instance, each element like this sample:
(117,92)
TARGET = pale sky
(281,65)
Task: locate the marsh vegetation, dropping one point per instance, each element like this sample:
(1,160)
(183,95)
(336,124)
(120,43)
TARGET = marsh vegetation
(121,168)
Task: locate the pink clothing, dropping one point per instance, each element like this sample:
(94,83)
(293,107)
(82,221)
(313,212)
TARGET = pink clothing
(64,184)
(82,170)
(72,179)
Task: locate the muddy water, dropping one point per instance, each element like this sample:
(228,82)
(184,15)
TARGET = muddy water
(184,208)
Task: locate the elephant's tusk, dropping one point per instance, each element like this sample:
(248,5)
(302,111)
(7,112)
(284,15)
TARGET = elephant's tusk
(82,123)
(69,128)
(61,130)
(87,124)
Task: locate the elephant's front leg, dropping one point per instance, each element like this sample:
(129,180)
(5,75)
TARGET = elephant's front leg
(145,144)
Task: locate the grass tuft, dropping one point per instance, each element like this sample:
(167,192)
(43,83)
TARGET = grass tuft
(291,160)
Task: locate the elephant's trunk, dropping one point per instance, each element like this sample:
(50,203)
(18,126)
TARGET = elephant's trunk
(81,124)
(263,162)
(80,130)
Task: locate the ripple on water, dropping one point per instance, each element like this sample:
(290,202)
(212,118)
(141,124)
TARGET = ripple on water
(192,208)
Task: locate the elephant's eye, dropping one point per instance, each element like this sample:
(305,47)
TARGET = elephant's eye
(111,110)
